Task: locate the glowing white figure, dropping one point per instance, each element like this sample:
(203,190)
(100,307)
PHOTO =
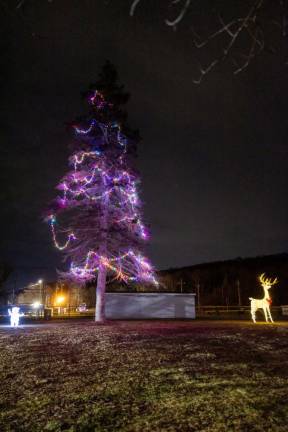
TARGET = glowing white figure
(14,316)
(265,302)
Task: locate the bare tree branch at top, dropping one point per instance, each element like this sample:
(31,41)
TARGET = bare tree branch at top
(234,29)
(241,38)
(245,28)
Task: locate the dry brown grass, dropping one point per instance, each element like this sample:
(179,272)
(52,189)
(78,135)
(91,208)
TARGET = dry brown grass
(144,376)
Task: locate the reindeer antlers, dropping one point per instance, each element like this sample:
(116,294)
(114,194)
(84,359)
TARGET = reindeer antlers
(267,281)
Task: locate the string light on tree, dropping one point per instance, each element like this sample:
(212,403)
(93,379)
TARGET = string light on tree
(57,245)
(99,196)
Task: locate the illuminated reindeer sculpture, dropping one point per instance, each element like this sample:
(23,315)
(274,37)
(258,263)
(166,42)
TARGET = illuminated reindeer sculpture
(266,301)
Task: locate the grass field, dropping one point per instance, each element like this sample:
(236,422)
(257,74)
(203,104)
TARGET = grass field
(144,376)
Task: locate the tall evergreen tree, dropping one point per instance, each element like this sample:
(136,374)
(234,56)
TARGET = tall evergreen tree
(99,201)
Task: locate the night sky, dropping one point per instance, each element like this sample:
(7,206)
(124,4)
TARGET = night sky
(213,157)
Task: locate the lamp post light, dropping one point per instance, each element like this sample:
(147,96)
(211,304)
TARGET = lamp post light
(59,302)
(38,303)
(40,282)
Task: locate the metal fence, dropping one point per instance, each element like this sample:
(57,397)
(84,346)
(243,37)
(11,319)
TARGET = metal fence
(202,312)
(236,312)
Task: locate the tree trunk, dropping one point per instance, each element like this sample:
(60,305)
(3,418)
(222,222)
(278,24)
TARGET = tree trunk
(100,294)
(101,278)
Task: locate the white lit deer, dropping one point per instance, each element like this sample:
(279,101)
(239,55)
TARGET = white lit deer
(265,302)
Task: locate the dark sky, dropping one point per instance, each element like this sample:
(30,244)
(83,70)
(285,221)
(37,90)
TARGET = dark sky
(213,157)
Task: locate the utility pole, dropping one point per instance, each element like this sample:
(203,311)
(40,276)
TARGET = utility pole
(14,289)
(181,283)
(238,292)
(198,294)
(40,283)
(69,294)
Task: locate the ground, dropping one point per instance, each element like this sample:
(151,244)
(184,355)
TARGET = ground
(144,376)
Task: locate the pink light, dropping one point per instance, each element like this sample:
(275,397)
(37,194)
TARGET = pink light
(71,236)
(103,177)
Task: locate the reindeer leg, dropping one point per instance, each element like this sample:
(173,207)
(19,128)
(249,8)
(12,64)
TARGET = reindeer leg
(270,316)
(265,313)
(253,315)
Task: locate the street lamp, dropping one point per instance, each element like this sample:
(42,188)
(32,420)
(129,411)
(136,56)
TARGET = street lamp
(59,302)
(60,299)
(40,283)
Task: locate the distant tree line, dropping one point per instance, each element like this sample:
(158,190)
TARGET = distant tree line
(229,282)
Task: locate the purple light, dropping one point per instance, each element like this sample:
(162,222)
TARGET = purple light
(99,179)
